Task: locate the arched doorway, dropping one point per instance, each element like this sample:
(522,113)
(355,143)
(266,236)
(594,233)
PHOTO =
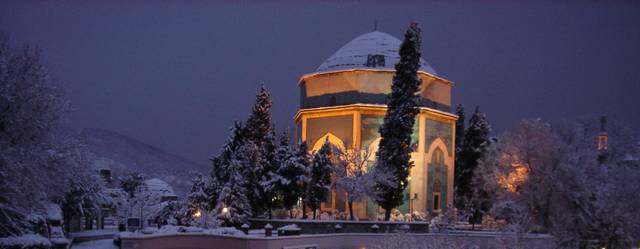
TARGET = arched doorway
(437,181)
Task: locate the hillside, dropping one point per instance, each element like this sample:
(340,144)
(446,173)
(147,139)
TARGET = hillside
(120,153)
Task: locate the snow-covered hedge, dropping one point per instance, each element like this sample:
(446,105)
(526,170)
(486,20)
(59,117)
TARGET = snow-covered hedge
(27,241)
(170,229)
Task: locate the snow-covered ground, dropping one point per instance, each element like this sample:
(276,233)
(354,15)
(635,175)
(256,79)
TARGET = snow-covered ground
(95,244)
(95,232)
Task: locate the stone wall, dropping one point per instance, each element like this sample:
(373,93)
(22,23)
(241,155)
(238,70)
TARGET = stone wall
(334,241)
(322,226)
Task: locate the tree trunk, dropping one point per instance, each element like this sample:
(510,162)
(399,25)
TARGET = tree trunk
(314,213)
(291,213)
(67,222)
(304,211)
(269,213)
(387,214)
(351,210)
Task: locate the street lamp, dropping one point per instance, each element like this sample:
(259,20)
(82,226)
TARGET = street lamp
(197,214)
(225,215)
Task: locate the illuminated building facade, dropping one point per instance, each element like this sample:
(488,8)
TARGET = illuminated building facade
(344,101)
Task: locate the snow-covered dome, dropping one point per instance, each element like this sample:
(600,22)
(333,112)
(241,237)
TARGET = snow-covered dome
(159,187)
(374,50)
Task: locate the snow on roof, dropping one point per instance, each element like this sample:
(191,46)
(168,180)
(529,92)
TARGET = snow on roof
(160,187)
(357,53)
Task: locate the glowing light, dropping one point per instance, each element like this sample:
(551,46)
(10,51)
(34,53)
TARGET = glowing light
(513,180)
(225,210)
(409,178)
(197,214)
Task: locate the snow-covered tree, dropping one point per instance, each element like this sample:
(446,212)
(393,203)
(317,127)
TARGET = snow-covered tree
(475,143)
(38,160)
(292,175)
(269,177)
(319,186)
(177,213)
(402,107)
(83,197)
(249,158)
(259,122)
(260,131)
(221,162)
(234,174)
(554,175)
(131,183)
(352,175)
(198,199)
(233,206)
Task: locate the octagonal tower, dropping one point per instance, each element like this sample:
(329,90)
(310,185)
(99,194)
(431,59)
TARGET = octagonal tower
(344,101)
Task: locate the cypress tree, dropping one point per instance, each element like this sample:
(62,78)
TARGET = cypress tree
(460,126)
(319,185)
(393,156)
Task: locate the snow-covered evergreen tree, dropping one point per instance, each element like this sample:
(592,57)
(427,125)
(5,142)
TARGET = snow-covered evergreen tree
(233,206)
(292,175)
(475,143)
(220,163)
(259,122)
(259,130)
(251,169)
(402,107)
(270,164)
(222,160)
(319,186)
(198,199)
(234,173)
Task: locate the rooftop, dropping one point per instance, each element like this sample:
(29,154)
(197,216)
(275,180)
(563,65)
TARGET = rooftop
(374,50)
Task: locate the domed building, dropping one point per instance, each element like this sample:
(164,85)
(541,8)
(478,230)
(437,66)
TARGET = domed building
(343,102)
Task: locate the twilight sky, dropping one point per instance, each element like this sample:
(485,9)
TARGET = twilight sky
(176,75)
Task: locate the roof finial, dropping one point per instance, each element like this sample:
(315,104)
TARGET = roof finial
(375,25)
